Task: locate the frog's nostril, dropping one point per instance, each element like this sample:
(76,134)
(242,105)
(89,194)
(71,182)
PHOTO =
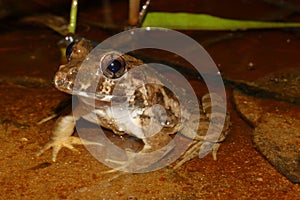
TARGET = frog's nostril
(74,71)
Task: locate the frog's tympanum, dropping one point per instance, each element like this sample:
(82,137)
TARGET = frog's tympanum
(109,71)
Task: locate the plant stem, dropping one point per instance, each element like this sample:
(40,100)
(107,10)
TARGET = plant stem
(73,17)
(134,6)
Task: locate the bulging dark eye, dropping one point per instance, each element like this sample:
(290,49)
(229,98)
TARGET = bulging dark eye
(113,65)
(69,50)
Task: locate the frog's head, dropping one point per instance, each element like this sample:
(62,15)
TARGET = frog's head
(93,74)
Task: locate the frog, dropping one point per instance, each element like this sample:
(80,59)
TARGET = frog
(109,71)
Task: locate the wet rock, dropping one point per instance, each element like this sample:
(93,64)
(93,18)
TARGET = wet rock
(280,86)
(276,132)
(278,138)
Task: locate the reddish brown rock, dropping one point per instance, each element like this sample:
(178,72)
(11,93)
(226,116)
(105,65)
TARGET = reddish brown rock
(276,131)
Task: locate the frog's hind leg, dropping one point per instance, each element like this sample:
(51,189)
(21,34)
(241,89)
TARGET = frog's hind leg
(213,128)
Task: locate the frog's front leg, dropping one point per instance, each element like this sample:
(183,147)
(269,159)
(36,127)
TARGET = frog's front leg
(62,137)
(155,148)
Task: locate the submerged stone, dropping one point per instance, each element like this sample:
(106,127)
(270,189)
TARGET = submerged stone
(276,132)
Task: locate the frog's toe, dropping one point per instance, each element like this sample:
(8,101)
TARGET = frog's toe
(208,147)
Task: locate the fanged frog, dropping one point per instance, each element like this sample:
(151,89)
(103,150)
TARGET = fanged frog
(111,67)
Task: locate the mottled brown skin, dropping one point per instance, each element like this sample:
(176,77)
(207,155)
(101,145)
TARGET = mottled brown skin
(74,79)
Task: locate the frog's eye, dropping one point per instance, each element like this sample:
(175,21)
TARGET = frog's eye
(69,50)
(113,65)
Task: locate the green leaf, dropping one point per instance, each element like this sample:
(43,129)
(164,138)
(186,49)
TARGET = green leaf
(189,21)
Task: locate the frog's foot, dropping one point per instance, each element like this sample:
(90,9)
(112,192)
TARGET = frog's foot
(57,143)
(136,162)
(199,148)
(140,161)
(63,129)
(123,164)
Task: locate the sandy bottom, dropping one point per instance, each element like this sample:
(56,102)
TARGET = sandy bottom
(239,172)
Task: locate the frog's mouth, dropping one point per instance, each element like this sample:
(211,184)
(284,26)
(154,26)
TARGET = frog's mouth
(92,96)
(85,89)
(63,83)
(92,99)
(87,92)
